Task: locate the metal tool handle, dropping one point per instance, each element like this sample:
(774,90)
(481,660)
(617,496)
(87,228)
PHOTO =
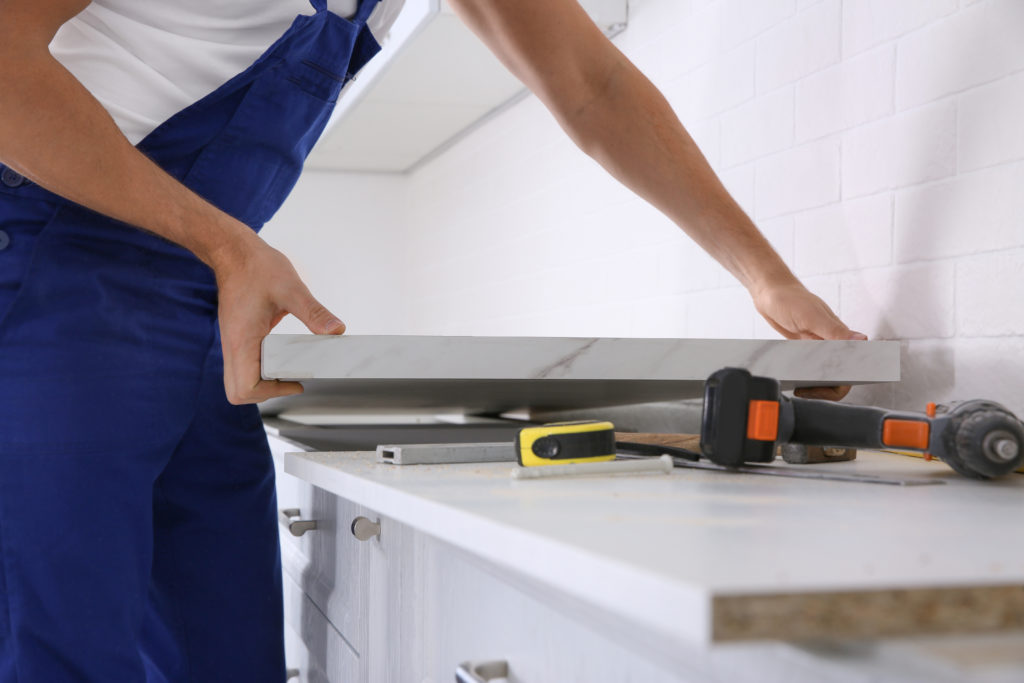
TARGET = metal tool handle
(297,527)
(480,672)
(364,529)
(290,674)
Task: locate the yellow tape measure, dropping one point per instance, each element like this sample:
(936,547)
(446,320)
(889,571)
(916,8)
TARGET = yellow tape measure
(564,443)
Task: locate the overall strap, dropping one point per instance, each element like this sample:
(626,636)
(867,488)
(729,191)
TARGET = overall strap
(366,8)
(319,5)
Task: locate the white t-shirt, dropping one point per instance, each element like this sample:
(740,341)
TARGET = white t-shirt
(145,60)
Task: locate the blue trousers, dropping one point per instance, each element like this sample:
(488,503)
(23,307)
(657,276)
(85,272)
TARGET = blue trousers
(138,526)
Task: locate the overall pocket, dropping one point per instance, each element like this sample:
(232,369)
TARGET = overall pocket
(252,165)
(22,222)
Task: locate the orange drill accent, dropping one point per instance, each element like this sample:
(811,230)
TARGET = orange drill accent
(763,420)
(930,410)
(906,434)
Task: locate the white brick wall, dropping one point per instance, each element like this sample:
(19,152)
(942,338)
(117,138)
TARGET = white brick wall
(907,149)
(989,126)
(978,44)
(856,91)
(982,312)
(799,46)
(798,178)
(871,22)
(973,212)
(757,128)
(848,236)
(879,144)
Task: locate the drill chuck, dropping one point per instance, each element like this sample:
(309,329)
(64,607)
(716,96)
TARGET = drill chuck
(1001,447)
(987,439)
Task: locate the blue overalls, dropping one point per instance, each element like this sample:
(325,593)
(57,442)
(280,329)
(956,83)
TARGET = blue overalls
(138,522)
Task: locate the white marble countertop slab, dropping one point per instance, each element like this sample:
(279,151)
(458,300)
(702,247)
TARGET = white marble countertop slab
(496,374)
(699,556)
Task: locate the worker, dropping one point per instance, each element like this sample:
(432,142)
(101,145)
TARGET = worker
(144,143)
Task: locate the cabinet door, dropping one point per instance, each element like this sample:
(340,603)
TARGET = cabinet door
(399,628)
(479,617)
(435,607)
(335,579)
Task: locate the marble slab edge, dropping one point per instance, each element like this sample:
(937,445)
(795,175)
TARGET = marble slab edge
(306,357)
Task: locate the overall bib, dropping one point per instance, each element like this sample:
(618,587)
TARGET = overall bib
(138,521)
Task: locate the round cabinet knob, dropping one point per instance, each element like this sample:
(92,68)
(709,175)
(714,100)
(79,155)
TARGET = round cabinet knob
(365,529)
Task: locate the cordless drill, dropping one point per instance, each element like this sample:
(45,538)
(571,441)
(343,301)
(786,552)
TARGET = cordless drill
(745,417)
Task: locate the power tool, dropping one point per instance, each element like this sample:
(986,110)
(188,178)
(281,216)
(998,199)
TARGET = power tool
(745,417)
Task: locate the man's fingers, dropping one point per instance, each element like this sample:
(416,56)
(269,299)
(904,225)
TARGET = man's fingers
(823,393)
(780,329)
(243,382)
(272,389)
(261,391)
(837,329)
(831,327)
(314,314)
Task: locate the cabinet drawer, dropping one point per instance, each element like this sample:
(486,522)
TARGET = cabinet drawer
(473,615)
(312,645)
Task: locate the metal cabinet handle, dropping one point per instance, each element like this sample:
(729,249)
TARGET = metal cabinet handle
(290,674)
(480,672)
(365,529)
(296,526)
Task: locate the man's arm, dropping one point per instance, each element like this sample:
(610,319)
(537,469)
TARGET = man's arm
(54,131)
(617,116)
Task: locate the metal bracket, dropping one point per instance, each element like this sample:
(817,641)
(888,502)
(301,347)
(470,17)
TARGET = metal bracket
(446,453)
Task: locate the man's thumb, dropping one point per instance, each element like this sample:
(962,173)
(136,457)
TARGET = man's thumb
(319,320)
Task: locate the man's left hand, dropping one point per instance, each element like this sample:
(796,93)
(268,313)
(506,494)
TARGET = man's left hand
(796,313)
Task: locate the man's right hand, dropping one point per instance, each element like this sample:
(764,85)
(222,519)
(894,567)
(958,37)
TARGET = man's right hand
(257,287)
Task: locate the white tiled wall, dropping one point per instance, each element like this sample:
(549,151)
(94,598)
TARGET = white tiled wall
(878,143)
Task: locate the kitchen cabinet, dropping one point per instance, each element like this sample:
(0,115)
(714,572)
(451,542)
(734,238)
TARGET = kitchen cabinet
(433,81)
(620,579)
(406,607)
